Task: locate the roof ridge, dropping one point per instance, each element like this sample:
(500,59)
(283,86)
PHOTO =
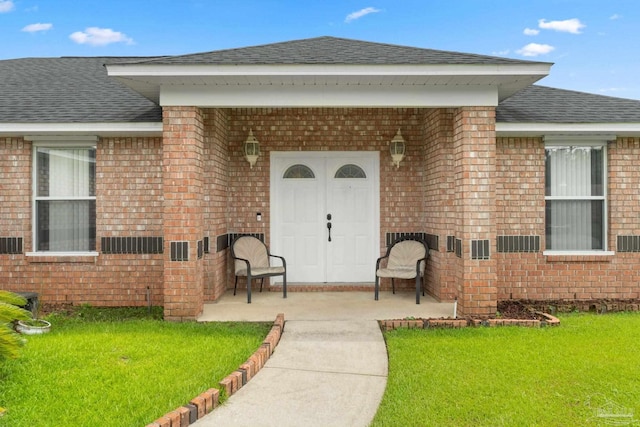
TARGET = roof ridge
(332,50)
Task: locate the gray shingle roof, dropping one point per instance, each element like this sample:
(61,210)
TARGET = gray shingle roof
(78,89)
(69,90)
(332,50)
(541,104)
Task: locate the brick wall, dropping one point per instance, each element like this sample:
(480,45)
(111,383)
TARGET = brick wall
(443,187)
(474,152)
(520,202)
(129,204)
(439,200)
(216,198)
(183,213)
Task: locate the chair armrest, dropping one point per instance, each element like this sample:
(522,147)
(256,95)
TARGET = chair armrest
(380,259)
(284,262)
(419,262)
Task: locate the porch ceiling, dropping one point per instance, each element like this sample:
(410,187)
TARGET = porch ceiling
(328,85)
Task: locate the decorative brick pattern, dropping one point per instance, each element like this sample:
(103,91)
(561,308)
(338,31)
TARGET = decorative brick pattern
(390,238)
(510,244)
(451,243)
(179,251)
(480,249)
(628,244)
(10,245)
(131,245)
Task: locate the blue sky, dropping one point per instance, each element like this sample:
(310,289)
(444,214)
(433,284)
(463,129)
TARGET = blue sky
(593,43)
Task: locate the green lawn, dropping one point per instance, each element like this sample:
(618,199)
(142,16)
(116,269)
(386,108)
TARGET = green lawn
(581,373)
(96,370)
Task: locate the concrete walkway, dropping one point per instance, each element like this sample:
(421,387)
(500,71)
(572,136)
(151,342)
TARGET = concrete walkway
(323,373)
(330,367)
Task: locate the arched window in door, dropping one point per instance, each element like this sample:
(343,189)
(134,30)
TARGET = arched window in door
(298,171)
(350,171)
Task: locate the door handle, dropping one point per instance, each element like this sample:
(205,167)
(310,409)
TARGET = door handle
(329,228)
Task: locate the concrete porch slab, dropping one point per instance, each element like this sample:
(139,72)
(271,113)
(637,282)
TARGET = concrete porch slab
(322,306)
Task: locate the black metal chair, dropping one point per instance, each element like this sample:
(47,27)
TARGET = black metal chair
(406,259)
(251,259)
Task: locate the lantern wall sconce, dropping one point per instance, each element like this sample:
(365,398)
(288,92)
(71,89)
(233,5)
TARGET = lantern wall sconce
(397,148)
(251,149)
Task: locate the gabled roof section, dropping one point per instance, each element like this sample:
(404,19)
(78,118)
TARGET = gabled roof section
(329,71)
(332,50)
(69,90)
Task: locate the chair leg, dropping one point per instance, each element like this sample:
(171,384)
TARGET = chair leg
(261,283)
(249,289)
(393,286)
(235,286)
(418,289)
(375,289)
(284,285)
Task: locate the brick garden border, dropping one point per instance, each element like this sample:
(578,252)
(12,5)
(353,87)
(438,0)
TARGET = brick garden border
(388,325)
(207,401)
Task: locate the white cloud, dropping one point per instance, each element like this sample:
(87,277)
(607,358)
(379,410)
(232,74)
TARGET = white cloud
(531,32)
(615,16)
(95,36)
(6,6)
(535,49)
(501,52)
(612,89)
(34,28)
(572,26)
(360,13)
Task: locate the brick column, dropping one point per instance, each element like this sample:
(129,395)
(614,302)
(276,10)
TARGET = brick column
(182,179)
(474,146)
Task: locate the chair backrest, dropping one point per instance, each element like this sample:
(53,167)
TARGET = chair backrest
(406,253)
(252,249)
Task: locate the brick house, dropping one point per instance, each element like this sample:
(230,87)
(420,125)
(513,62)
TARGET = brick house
(123,180)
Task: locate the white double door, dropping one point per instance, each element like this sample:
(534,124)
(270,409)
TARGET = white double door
(325,215)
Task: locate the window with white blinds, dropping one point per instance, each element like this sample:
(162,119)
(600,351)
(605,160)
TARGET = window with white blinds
(65,199)
(575,196)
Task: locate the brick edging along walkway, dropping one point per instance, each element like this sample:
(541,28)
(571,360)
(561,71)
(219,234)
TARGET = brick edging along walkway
(207,401)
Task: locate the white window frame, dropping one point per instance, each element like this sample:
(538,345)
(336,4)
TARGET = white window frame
(583,141)
(54,142)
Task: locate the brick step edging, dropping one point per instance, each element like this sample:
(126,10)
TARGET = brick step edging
(207,401)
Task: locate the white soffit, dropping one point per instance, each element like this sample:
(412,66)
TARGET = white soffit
(315,85)
(546,129)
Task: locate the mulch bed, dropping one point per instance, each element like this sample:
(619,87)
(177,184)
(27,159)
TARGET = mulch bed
(514,309)
(526,309)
